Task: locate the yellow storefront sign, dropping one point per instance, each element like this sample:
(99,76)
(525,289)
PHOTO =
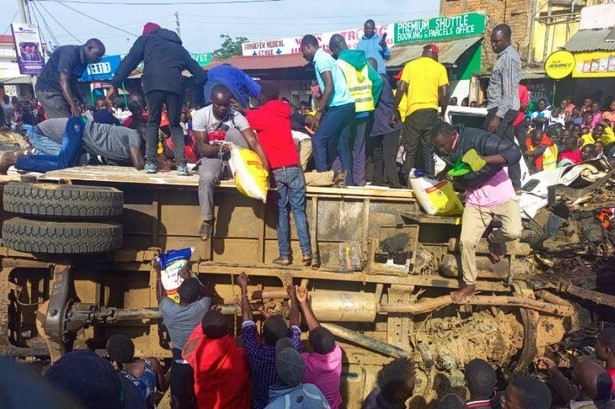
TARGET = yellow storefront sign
(596,64)
(559,64)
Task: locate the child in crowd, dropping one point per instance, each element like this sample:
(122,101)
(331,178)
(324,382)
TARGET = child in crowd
(590,137)
(588,152)
(542,151)
(605,350)
(588,119)
(576,117)
(599,148)
(571,154)
(610,113)
(146,374)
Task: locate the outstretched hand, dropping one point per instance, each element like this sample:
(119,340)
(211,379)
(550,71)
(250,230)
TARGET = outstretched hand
(302,294)
(243,280)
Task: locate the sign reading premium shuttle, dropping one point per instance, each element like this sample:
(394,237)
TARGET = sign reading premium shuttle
(290,45)
(440,28)
(29,48)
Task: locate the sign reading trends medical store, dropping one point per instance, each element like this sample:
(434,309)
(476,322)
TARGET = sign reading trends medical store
(440,28)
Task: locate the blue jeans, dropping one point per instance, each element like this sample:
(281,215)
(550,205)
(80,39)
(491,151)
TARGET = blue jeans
(69,153)
(290,184)
(332,138)
(42,144)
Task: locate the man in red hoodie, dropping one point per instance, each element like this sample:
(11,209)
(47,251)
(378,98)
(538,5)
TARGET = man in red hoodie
(273,129)
(221,373)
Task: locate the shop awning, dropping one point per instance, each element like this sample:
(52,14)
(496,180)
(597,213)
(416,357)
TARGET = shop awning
(21,80)
(526,74)
(450,51)
(263,62)
(591,40)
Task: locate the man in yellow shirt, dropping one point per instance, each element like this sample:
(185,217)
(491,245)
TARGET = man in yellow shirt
(424,82)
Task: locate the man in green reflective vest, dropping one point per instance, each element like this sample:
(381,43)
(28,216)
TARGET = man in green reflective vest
(365,86)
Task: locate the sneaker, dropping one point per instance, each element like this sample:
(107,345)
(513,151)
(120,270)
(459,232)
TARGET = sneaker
(150,168)
(182,170)
(339,179)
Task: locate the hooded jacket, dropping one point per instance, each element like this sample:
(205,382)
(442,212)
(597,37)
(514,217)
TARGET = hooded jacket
(164,58)
(486,144)
(221,373)
(358,60)
(302,396)
(373,49)
(273,130)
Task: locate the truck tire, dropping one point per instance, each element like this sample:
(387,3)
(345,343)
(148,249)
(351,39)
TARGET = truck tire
(62,201)
(35,236)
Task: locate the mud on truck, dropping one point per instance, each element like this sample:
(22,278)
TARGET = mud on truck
(77,246)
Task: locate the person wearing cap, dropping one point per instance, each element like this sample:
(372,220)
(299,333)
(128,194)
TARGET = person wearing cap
(425,83)
(92,381)
(503,102)
(323,366)
(181,319)
(262,354)
(164,59)
(289,392)
(221,373)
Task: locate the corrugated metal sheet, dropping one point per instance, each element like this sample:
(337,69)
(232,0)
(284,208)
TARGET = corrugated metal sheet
(590,40)
(449,51)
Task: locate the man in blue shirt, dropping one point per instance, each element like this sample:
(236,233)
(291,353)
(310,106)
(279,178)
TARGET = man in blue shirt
(336,112)
(374,46)
(57,88)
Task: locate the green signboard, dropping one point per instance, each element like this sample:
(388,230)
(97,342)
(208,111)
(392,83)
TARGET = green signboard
(202,58)
(440,28)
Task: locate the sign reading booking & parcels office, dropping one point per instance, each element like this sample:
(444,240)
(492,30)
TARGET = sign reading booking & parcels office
(440,28)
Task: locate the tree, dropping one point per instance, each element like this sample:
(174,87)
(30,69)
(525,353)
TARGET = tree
(229,47)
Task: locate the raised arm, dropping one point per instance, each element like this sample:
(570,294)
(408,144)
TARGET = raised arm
(295,316)
(246,308)
(310,318)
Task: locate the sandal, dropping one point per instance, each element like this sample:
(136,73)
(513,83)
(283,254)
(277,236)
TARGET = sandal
(206,229)
(282,261)
(307,260)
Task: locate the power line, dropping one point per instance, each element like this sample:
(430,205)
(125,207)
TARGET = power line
(53,37)
(13,19)
(165,3)
(94,18)
(61,25)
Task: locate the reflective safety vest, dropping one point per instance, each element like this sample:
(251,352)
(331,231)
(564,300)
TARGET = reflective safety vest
(359,85)
(549,158)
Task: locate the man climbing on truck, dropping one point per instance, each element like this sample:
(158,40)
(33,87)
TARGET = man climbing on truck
(477,159)
(214,127)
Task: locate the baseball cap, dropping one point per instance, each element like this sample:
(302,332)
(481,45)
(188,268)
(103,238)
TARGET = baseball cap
(288,362)
(433,48)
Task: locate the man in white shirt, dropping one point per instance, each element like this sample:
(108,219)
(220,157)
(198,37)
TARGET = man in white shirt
(213,127)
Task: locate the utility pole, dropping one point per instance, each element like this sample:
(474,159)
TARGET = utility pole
(24,11)
(177,26)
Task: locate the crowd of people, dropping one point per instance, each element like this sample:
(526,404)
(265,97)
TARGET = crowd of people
(272,368)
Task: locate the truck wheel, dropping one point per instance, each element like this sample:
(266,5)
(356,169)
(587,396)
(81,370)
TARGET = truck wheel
(62,201)
(35,236)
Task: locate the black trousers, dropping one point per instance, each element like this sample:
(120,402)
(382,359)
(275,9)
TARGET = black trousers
(155,102)
(417,140)
(382,152)
(507,131)
(182,383)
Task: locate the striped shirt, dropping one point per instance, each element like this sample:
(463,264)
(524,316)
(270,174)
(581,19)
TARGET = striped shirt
(502,92)
(261,358)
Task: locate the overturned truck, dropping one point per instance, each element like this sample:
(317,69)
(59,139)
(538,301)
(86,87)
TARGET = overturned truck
(77,246)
